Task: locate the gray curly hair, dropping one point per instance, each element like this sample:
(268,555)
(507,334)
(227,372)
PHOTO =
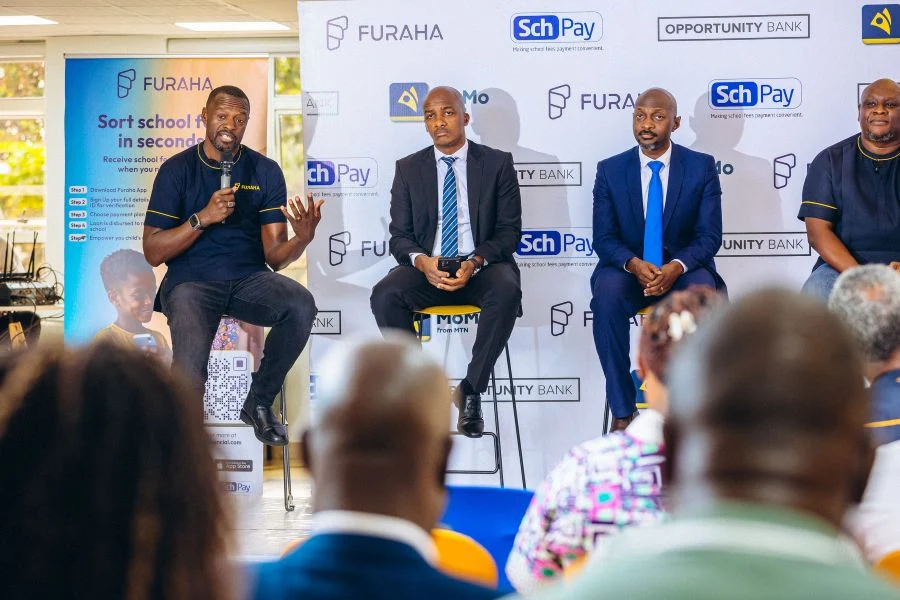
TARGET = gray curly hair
(867,298)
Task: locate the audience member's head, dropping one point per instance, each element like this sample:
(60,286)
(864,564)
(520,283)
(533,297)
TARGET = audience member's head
(107,486)
(867,298)
(672,320)
(379,440)
(767,408)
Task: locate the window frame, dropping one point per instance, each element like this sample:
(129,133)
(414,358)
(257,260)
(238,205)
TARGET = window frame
(27,108)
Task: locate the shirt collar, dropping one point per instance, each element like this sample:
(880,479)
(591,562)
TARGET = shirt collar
(647,427)
(664,159)
(461,155)
(381,526)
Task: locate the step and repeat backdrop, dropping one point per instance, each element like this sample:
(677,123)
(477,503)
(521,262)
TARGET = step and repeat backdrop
(763,86)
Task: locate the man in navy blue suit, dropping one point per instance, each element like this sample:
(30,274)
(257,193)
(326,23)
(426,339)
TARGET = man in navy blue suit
(657,226)
(378,488)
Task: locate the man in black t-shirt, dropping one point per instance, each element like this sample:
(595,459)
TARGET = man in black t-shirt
(851,196)
(219,246)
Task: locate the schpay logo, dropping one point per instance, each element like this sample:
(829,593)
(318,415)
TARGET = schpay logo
(548,242)
(574,27)
(343,172)
(755,94)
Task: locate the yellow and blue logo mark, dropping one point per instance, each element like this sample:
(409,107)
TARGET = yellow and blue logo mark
(878,24)
(406,101)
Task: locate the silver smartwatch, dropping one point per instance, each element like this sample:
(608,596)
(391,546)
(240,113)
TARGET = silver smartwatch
(194,222)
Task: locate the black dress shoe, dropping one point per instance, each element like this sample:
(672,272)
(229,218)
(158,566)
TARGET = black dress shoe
(470,422)
(266,427)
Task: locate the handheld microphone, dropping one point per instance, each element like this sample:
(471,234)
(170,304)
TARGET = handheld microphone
(227,162)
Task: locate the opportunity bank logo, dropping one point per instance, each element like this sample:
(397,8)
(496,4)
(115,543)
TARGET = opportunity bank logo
(124,82)
(732,27)
(358,172)
(755,94)
(557,28)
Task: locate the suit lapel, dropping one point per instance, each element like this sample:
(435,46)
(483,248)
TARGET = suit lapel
(474,170)
(673,191)
(635,196)
(428,173)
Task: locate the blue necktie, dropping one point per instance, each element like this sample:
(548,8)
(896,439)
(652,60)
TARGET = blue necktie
(449,216)
(653,243)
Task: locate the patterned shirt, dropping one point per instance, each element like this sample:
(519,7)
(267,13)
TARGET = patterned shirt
(600,487)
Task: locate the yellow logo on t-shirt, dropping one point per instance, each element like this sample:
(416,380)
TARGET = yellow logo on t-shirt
(245,186)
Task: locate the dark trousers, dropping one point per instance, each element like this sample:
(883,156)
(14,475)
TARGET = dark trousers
(617,297)
(496,290)
(268,299)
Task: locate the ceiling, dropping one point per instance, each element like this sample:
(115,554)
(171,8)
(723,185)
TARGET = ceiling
(143,17)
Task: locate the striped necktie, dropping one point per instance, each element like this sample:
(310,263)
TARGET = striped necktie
(449,214)
(653,230)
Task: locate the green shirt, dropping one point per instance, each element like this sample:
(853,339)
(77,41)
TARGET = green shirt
(730,552)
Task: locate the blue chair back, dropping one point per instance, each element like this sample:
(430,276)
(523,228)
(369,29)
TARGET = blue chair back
(489,515)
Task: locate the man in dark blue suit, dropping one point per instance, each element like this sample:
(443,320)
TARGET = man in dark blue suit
(657,226)
(378,488)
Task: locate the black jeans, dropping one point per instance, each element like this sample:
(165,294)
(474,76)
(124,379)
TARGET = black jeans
(194,309)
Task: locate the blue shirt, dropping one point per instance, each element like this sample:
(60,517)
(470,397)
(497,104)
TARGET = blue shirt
(885,392)
(859,192)
(225,251)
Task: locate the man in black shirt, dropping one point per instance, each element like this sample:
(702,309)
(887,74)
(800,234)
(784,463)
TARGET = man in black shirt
(219,246)
(851,196)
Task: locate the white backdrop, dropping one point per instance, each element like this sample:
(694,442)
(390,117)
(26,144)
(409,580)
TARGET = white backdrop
(554,84)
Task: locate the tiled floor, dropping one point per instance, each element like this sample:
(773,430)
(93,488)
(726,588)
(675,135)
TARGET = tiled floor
(263,528)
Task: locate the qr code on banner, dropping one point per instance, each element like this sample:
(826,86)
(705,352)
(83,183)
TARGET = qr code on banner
(227,385)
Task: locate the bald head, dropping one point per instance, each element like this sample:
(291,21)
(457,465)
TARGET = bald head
(768,406)
(380,434)
(365,385)
(657,96)
(442,93)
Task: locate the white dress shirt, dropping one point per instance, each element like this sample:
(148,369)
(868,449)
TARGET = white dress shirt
(647,174)
(465,240)
(380,526)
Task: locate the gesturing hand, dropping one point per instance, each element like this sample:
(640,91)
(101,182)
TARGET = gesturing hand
(303,220)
